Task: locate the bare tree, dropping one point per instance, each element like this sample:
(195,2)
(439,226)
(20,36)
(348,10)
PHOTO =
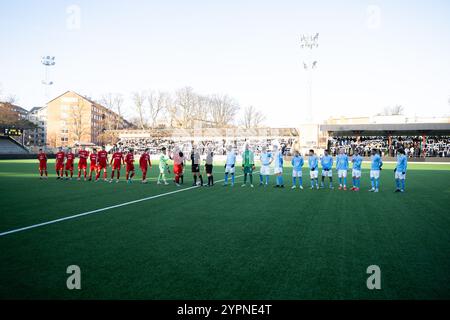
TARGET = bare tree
(114,102)
(139,104)
(392,111)
(222,110)
(158,102)
(186,102)
(252,118)
(77,126)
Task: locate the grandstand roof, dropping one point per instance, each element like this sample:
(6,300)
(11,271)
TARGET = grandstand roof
(209,133)
(387,129)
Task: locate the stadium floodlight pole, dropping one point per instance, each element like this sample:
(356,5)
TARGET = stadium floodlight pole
(47,61)
(307,44)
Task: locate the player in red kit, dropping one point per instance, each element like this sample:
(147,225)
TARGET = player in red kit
(144,163)
(69,163)
(102,163)
(42,157)
(129,160)
(93,158)
(178,160)
(116,163)
(59,164)
(83,155)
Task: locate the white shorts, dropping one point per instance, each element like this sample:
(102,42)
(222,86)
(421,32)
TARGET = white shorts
(229,169)
(277,170)
(356,173)
(327,173)
(375,174)
(265,170)
(314,174)
(342,173)
(399,175)
(296,173)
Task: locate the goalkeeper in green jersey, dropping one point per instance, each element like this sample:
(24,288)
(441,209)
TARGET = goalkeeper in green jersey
(163,166)
(248,165)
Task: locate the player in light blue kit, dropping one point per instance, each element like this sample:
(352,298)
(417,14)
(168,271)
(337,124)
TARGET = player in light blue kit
(375,169)
(327,169)
(400,170)
(297,166)
(313,163)
(278,166)
(230,165)
(266,159)
(342,168)
(356,172)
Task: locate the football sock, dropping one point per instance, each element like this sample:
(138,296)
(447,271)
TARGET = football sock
(226,177)
(251,178)
(195,179)
(201,180)
(345,181)
(376,183)
(260,178)
(294,181)
(245,178)
(403,184)
(267,179)
(372,181)
(232,178)
(301,181)
(397,183)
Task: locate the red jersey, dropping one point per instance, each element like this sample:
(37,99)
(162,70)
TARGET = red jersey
(70,157)
(42,157)
(144,160)
(117,158)
(129,159)
(93,158)
(102,157)
(83,155)
(60,157)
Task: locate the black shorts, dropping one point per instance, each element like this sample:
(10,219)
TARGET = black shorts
(195,168)
(208,168)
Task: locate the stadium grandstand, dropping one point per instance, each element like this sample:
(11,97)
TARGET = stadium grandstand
(219,138)
(419,140)
(9,146)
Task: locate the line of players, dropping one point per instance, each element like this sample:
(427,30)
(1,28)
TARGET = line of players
(99,162)
(64,164)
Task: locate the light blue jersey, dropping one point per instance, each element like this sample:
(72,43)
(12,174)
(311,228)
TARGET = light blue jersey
(342,162)
(313,162)
(326,162)
(357,162)
(231,158)
(376,162)
(278,160)
(297,163)
(265,158)
(402,163)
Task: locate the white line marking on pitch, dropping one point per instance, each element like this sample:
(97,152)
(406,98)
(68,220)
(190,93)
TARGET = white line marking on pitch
(102,209)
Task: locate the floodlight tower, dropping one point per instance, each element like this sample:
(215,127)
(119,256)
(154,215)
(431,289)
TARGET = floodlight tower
(307,44)
(47,61)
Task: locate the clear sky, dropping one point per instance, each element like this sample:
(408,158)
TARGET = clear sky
(372,54)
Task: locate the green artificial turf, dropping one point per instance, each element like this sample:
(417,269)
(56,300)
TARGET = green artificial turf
(223,242)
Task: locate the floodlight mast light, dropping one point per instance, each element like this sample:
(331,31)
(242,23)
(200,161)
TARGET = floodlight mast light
(47,61)
(307,44)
